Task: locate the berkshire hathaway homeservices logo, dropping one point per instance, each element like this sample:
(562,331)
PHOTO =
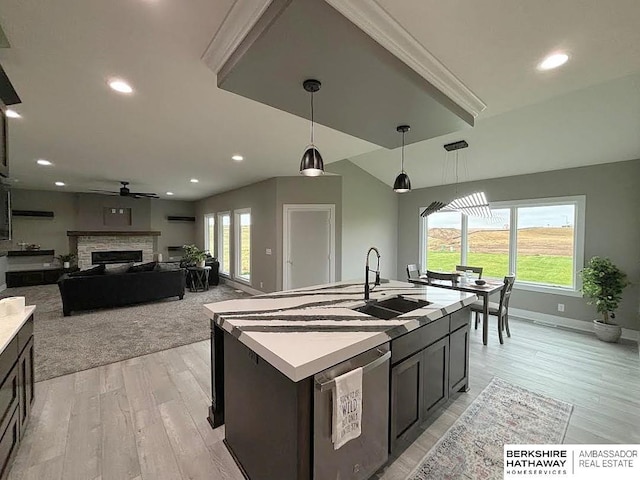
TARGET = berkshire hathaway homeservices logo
(580,462)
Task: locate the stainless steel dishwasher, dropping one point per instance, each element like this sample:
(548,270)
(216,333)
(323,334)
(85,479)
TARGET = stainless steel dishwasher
(361,457)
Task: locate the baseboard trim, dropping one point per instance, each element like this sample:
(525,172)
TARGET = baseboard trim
(571,323)
(241,286)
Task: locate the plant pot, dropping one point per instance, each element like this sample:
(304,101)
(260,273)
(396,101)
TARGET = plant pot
(201,264)
(66,264)
(606,331)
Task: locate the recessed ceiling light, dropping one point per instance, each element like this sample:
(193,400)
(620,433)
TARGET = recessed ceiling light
(237,158)
(554,60)
(60,184)
(169,193)
(120,86)
(194,180)
(42,161)
(12,113)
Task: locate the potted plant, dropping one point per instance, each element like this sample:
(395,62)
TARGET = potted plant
(66,259)
(194,256)
(602,284)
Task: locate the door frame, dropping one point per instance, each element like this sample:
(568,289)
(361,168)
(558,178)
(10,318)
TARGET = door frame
(287,209)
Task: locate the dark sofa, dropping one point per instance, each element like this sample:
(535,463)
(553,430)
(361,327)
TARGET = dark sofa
(117,289)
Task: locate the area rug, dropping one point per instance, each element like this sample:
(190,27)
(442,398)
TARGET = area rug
(98,337)
(502,414)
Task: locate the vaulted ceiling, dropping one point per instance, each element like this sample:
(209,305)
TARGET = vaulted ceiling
(178,125)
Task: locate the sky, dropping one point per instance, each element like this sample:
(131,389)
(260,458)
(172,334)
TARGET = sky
(549,216)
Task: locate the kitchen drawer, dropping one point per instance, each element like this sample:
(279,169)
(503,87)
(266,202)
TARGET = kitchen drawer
(406,345)
(460,319)
(25,333)
(8,358)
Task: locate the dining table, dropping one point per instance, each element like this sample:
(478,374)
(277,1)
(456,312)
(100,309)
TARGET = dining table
(465,284)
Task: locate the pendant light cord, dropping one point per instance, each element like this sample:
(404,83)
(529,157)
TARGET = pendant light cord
(456,173)
(311,118)
(402,157)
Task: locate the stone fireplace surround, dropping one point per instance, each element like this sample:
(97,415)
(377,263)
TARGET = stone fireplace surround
(84,242)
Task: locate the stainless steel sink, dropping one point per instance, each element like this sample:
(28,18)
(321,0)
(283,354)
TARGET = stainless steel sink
(391,307)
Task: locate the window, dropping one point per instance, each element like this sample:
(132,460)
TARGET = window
(488,242)
(444,235)
(209,232)
(224,232)
(243,244)
(546,242)
(541,241)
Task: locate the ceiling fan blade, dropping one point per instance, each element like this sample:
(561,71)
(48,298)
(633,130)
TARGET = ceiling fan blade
(143,195)
(109,192)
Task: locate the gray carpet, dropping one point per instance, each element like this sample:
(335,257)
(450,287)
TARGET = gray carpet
(93,338)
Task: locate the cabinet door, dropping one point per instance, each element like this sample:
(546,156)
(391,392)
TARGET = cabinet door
(435,376)
(25,373)
(406,397)
(9,445)
(459,360)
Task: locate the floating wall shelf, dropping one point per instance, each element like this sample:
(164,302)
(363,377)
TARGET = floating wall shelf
(174,218)
(32,213)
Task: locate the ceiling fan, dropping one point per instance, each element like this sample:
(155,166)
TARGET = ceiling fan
(125,192)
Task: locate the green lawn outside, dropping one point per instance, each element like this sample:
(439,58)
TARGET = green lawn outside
(548,269)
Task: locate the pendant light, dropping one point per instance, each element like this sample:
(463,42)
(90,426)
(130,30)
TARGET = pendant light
(402,183)
(311,164)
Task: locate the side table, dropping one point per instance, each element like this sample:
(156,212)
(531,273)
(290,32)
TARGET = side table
(199,277)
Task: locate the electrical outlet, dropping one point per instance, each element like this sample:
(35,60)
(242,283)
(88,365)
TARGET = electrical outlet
(561,307)
(268,251)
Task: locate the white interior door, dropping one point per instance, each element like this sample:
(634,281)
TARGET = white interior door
(308,245)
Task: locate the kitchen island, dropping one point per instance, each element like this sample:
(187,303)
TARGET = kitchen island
(274,358)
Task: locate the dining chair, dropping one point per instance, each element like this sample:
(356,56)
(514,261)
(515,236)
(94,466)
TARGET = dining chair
(475,270)
(452,277)
(501,309)
(413,272)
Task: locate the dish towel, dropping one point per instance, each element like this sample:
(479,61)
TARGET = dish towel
(347,408)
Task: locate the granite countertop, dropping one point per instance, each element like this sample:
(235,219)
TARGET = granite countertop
(302,332)
(11,325)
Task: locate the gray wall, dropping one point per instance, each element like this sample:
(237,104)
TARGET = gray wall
(90,215)
(261,199)
(49,233)
(369,218)
(80,211)
(174,233)
(612,226)
(301,190)
(266,200)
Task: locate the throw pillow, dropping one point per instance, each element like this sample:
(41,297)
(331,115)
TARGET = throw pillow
(97,270)
(167,267)
(143,267)
(118,269)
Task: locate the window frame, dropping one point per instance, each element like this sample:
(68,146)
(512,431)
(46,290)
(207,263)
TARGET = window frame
(237,243)
(207,240)
(579,202)
(220,243)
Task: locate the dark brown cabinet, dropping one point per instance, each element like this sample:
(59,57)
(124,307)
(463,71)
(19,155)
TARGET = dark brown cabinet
(437,366)
(16,393)
(25,383)
(406,397)
(435,377)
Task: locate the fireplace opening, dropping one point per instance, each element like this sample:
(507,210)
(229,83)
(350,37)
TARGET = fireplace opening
(116,256)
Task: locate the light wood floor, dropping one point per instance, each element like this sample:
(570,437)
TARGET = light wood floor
(145,418)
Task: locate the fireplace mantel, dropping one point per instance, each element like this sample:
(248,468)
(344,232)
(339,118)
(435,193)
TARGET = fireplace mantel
(112,233)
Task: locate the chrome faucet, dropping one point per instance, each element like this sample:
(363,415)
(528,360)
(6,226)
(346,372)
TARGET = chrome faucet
(366,273)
